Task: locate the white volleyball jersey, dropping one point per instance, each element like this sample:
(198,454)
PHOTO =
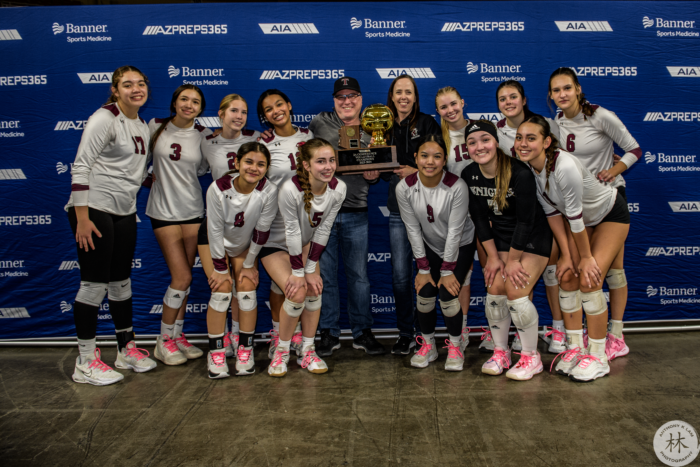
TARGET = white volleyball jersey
(591,140)
(111,162)
(176,194)
(506,135)
(283,164)
(575,192)
(436,216)
(220,153)
(237,221)
(458,158)
(298,229)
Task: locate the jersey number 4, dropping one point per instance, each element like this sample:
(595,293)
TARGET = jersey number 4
(431,217)
(138,141)
(239,220)
(175,156)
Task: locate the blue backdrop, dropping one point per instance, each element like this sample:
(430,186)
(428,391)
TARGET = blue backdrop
(638,59)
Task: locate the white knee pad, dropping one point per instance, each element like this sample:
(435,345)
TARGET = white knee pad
(425,305)
(569,302)
(187,292)
(496,307)
(274,288)
(293,309)
(616,279)
(220,301)
(550,275)
(119,291)
(247,301)
(523,313)
(174,298)
(594,302)
(91,293)
(450,308)
(467,280)
(313,303)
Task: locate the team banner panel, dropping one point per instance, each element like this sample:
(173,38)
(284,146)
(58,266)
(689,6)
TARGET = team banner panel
(640,60)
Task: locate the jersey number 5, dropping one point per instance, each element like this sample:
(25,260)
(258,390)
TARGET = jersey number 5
(239,221)
(431,217)
(570,146)
(175,156)
(231,156)
(138,141)
(316,219)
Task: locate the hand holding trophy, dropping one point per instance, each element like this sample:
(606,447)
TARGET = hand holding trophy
(377,119)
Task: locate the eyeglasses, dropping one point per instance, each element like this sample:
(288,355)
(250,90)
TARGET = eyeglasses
(347,96)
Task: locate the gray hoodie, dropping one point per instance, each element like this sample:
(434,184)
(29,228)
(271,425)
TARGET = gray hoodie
(326,125)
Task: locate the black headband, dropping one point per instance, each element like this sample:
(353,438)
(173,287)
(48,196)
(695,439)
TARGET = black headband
(474,127)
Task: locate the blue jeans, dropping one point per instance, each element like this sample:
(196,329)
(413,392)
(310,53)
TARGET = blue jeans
(402,275)
(350,232)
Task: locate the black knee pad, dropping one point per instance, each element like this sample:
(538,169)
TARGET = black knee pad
(428,291)
(446,296)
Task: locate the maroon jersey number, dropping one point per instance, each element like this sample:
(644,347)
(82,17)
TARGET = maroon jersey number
(570,146)
(431,217)
(138,141)
(513,153)
(458,153)
(293,160)
(316,219)
(239,220)
(175,156)
(231,156)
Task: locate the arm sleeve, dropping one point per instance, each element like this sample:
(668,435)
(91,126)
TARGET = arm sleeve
(413,229)
(204,163)
(612,126)
(262,229)
(97,134)
(215,229)
(480,216)
(287,204)
(323,231)
(570,182)
(455,226)
(525,190)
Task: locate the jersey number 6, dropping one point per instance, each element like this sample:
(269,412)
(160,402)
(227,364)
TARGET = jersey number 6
(570,146)
(175,156)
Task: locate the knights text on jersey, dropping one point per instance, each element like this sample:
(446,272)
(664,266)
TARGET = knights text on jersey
(522,217)
(176,194)
(458,158)
(574,192)
(220,153)
(111,162)
(237,221)
(591,140)
(506,135)
(302,227)
(437,216)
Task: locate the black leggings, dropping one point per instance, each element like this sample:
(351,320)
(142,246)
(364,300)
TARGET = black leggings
(110,261)
(464,263)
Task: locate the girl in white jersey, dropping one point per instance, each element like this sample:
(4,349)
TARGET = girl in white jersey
(275,112)
(450,106)
(434,206)
(220,153)
(309,203)
(176,209)
(108,171)
(240,209)
(598,224)
(588,132)
(512,103)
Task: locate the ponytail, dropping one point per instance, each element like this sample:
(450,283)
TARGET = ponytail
(551,151)
(306,151)
(165,122)
(586,107)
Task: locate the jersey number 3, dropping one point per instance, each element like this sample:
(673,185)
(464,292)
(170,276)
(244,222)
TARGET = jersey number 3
(239,220)
(175,156)
(431,217)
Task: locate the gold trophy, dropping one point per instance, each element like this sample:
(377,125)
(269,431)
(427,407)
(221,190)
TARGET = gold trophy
(376,119)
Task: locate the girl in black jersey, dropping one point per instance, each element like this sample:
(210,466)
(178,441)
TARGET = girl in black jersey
(513,230)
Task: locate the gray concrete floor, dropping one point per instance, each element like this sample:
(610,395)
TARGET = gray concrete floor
(366,411)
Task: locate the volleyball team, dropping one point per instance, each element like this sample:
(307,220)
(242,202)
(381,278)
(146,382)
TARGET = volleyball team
(531,196)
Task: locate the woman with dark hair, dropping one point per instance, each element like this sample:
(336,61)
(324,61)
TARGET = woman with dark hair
(434,206)
(109,168)
(409,126)
(588,132)
(176,209)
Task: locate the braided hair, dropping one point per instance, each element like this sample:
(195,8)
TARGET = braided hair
(546,132)
(586,106)
(306,152)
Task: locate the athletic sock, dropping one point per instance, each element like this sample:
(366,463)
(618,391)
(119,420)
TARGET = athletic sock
(574,338)
(124,336)
(246,339)
(216,342)
(87,347)
(464,321)
(429,338)
(236,327)
(558,325)
(167,330)
(596,347)
(306,342)
(179,324)
(499,332)
(284,345)
(456,340)
(528,338)
(276,326)
(616,328)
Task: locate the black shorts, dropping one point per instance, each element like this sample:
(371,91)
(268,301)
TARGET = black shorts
(539,243)
(620,213)
(465,258)
(203,234)
(623,191)
(267,251)
(157,223)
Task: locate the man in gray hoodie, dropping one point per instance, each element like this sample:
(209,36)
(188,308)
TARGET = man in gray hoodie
(350,233)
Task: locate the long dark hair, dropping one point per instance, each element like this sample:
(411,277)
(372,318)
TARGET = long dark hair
(545,131)
(261,112)
(518,87)
(176,95)
(586,106)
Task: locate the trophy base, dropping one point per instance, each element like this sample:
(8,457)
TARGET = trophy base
(356,161)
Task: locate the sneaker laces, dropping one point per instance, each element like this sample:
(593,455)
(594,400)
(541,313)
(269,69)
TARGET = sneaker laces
(227,339)
(566,356)
(556,334)
(615,343)
(486,335)
(133,351)
(182,340)
(500,358)
(525,360)
(169,344)
(278,358)
(243,354)
(219,358)
(467,329)
(274,338)
(453,351)
(297,339)
(425,346)
(98,364)
(585,360)
(309,358)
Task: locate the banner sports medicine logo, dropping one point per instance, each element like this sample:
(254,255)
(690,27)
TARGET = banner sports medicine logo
(188,72)
(384,28)
(490,69)
(10,125)
(675,159)
(186,29)
(684,71)
(677,24)
(583,26)
(288,28)
(81,30)
(684,295)
(416,73)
